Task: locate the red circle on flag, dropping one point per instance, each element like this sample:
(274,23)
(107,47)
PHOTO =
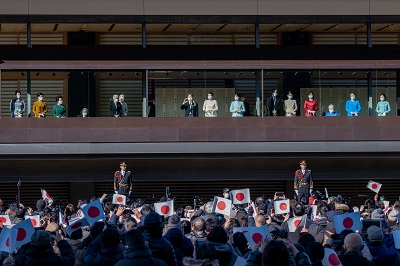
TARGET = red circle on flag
(164,209)
(47,195)
(257,237)
(3,220)
(240,196)
(93,212)
(33,221)
(316,219)
(221,205)
(333,259)
(348,223)
(297,223)
(374,186)
(8,242)
(76,225)
(283,206)
(21,234)
(120,199)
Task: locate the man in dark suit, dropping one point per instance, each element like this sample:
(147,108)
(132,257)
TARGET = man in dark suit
(115,107)
(246,106)
(273,103)
(303,181)
(123,181)
(191,107)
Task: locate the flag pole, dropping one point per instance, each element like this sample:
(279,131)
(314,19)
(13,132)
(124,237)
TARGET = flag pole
(19,192)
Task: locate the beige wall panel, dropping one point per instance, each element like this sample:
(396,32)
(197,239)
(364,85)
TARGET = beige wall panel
(204,7)
(86,7)
(385,7)
(313,7)
(13,7)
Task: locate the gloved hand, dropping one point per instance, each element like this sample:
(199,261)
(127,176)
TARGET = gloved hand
(297,192)
(311,190)
(129,194)
(116,192)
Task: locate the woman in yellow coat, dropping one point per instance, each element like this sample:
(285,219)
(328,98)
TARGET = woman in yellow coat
(39,107)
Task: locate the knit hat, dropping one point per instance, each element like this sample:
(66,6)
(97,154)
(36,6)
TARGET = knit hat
(174,222)
(153,221)
(52,227)
(41,238)
(375,234)
(377,214)
(134,238)
(392,216)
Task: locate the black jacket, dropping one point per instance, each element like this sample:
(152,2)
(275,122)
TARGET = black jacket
(160,247)
(97,256)
(354,259)
(191,108)
(35,257)
(183,246)
(139,256)
(273,105)
(114,109)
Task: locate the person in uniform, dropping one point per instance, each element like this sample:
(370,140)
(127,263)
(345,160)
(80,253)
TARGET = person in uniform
(303,182)
(123,181)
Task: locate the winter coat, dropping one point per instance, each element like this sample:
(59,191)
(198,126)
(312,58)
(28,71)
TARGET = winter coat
(225,254)
(35,257)
(160,247)
(319,230)
(254,258)
(81,249)
(354,259)
(197,235)
(183,247)
(73,243)
(139,256)
(97,256)
(193,262)
(385,253)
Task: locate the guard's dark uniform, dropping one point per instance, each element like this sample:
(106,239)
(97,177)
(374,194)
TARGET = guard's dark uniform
(303,183)
(123,183)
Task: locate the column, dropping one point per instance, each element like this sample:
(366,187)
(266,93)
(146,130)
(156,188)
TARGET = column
(145,80)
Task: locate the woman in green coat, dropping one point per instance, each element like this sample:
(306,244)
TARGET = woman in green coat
(59,109)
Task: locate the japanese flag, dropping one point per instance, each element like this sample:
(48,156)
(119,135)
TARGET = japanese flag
(35,220)
(314,210)
(164,208)
(374,186)
(331,258)
(240,196)
(315,218)
(387,207)
(76,225)
(296,222)
(347,221)
(240,229)
(21,234)
(94,212)
(46,197)
(253,206)
(222,206)
(119,199)
(61,220)
(281,206)
(5,240)
(5,219)
(396,236)
(255,235)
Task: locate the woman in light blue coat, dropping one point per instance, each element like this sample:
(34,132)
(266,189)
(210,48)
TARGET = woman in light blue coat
(383,107)
(237,107)
(353,106)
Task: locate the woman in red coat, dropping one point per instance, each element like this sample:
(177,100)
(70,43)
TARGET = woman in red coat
(311,105)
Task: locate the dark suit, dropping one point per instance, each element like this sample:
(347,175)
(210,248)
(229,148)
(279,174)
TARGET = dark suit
(114,108)
(247,108)
(123,183)
(273,103)
(303,183)
(191,109)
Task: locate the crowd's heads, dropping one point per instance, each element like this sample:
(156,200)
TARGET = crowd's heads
(153,221)
(298,210)
(377,214)
(218,234)
(96,229)
(198,224)
(138,203)
(306,239)
(77,234)
(206,251)
(209,206)
(239,240)
(134,238)
(40,205)
(41,239)
(275,253)
(110,238)
(130,223)
(392,215)
(353,243)
(375,234)
(315,252)
(174,222)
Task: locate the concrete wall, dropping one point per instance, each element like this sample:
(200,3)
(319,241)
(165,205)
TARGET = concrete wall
(204,7)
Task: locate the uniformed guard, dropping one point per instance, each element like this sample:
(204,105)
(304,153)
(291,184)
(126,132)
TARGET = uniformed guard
(123,181)
(303,182)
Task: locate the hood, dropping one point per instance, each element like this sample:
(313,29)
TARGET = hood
(137,252)
(322,222)
(223,248)
(193,262)
(380,253)
(174,235)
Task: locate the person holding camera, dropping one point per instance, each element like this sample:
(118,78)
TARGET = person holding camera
(303,181)
(123,181)
(190,106)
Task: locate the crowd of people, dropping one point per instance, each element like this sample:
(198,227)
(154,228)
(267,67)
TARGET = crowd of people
(136,234)
(239,106)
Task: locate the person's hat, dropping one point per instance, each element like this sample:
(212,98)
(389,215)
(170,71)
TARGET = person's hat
(153,221)
(41,238)
(225,190)
(392,216)
(377,214)
(172,223)
(303,162)
(52,227)
(122,164)
(375,234)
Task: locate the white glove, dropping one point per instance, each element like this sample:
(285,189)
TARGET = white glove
(297,192)
(311,191)
(116,192)
(129,194)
